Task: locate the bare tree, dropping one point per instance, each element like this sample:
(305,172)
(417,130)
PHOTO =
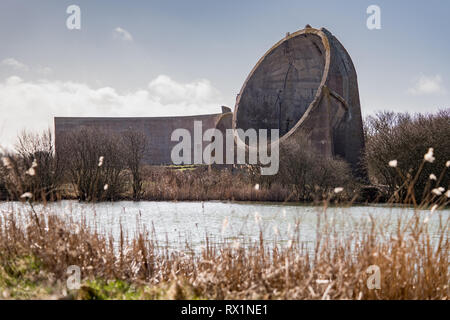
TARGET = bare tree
(95,165)
(35,156)
(135,144)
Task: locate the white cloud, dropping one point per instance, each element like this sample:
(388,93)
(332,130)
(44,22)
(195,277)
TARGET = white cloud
(122,34)
(45,71)
(427,85)
(167,91)
(32,105)
(15,64)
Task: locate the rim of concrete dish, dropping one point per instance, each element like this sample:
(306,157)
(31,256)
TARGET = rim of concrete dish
(314,103)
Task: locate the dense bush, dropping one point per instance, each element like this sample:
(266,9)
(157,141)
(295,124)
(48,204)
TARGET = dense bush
(406,138)
(309,175)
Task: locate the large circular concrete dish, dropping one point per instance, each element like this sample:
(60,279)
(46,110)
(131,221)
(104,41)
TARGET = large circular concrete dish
(305,84)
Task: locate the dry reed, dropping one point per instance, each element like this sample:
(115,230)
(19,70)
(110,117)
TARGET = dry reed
(412,265)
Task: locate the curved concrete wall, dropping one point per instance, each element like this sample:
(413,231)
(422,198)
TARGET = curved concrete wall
(157,129)
(306,84)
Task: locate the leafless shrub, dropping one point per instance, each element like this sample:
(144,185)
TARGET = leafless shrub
(309,175)
(94,162)
(3,177)
(406,138)
(33,168)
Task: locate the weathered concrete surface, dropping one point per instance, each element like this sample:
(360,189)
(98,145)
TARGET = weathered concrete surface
(223,123)
(157,129)
(306,84)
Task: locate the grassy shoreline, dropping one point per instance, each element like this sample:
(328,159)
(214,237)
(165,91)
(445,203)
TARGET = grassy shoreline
(34,259)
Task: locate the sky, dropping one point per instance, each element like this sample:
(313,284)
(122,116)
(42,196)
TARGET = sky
(155,58)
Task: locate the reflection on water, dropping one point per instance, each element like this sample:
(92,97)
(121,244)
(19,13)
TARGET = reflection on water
(178,223)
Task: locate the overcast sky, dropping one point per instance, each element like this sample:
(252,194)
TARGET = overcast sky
(148,58)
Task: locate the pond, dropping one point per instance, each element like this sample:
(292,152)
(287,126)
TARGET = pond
(174,224)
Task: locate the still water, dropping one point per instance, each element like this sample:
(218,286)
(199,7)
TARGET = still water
(176,223)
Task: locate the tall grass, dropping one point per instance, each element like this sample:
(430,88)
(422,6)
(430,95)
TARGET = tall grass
(202,184)
(411,264)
